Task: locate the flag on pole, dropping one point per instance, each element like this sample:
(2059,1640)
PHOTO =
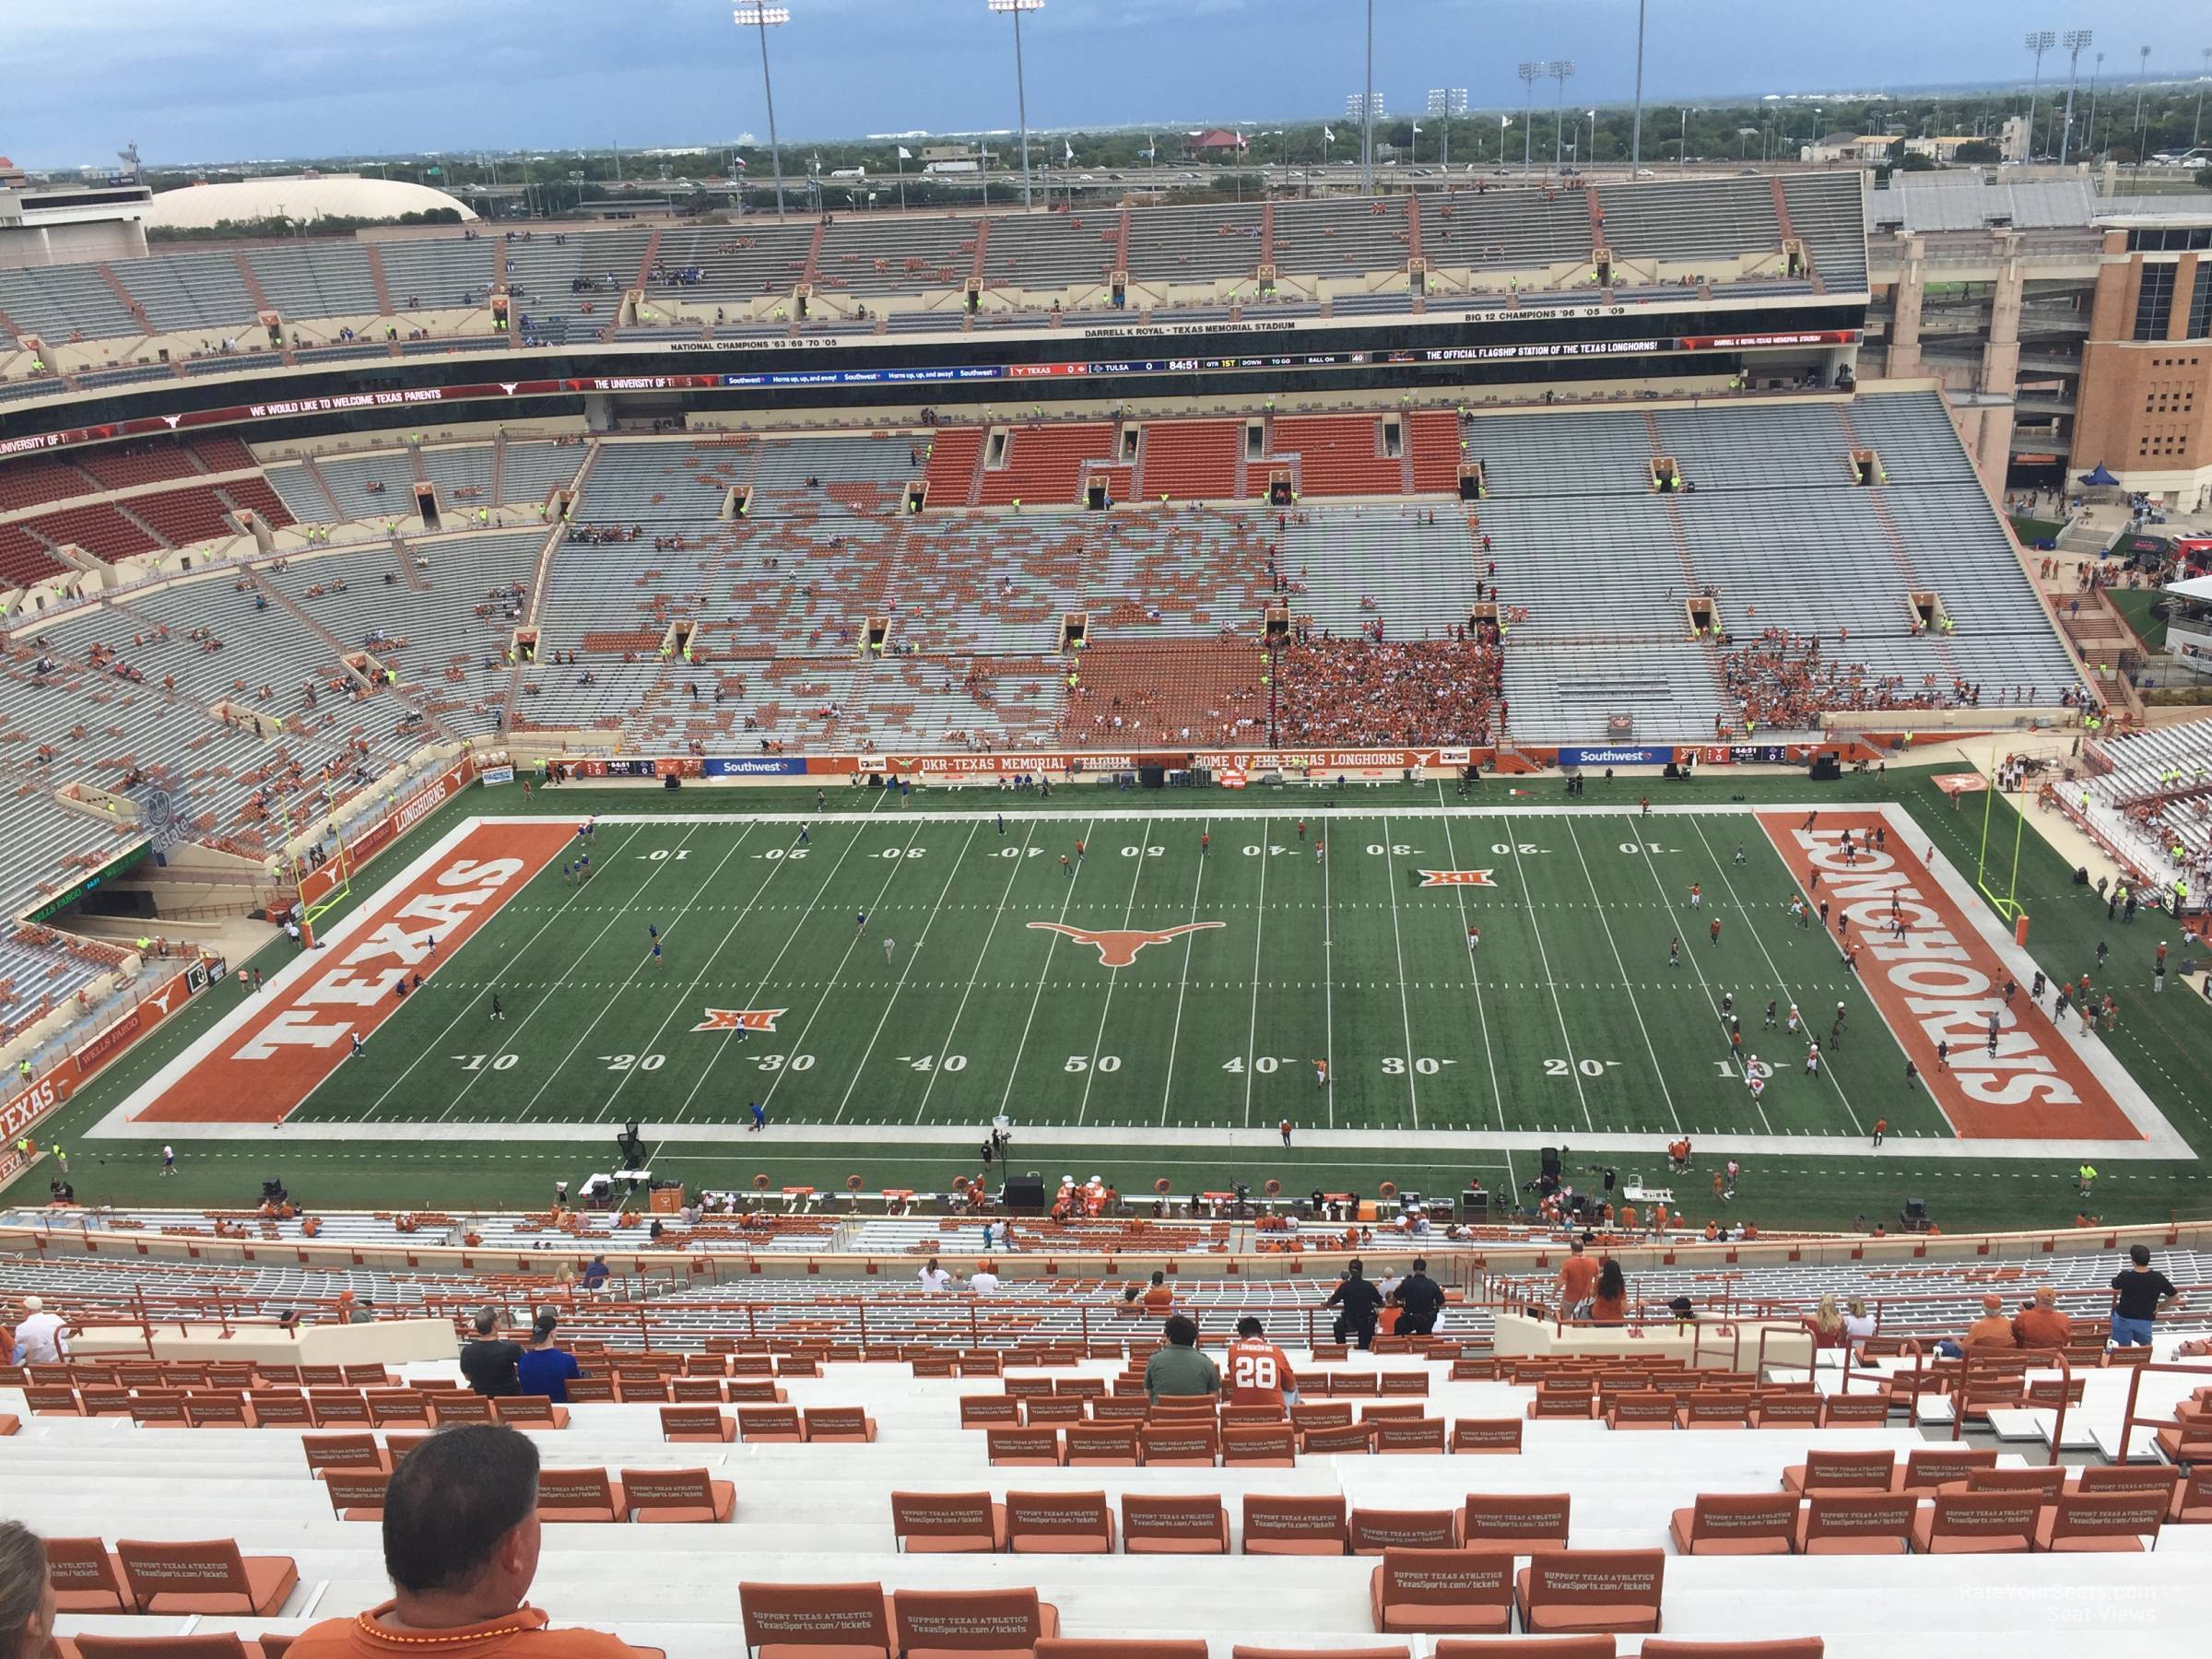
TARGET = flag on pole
(1328,136)
(1067,152)
(1416,127)
(905,154)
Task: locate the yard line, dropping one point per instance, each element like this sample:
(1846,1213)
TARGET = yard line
(1544,957)
(1645,848)
(1113,975)
(1043,974)
(798,927)
(1328,989)
(607,1002)
(775,867)
(1006,893)
(1182,988)
(1390,863)
(798,1043)
(468,1004)
(1259,927)
(1635,1003)
(862,1070)
(1827,1071)
(1474,978)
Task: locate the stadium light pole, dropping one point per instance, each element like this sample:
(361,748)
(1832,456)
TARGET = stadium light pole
(2089,138)
(2076,41)
(758,17)
(1367,111)
(2038,41)
(2142,79)
(2198,126)
(1560,70)
(1636,126)
(1021,95)
(1530,74)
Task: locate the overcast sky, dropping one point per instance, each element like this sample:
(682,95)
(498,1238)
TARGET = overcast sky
(236,79)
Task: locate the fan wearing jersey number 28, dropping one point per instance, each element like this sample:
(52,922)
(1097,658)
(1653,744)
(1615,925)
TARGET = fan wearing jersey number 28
(1257,1372)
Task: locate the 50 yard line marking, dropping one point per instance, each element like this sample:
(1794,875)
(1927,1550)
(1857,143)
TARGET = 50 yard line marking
(1259,929)
(1183,987)
(1045,973)
(1390,863)
(1635,1002)
(861,1070)
(952,1030)
(1113,975)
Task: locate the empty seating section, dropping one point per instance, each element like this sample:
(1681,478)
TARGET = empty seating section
(185,516)
(567,285)
(1571,694)
(438,272)
(296,488)
(1827,213)
(462,473)
(1434,435)
(378,484)
(1047,253)
(24,559)
(1342,236)
(66,301)
(1716,218)
(955,452)
(1337,454)
(1189,460)
(334,281)
(39,479)
(533,471)
(1169,691)
(1044,463)
(100,530)
(1505,229)
(1349,568)
(1193,244)
(868,257)
(183,292)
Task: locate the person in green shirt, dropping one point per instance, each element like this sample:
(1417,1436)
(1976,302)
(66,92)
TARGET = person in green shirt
(1180,1368)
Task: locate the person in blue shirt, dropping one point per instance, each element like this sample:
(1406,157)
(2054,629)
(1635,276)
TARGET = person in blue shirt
(544,1369)
(594,1273)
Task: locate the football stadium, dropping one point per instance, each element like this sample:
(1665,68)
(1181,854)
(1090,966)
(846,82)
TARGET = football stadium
(798,873)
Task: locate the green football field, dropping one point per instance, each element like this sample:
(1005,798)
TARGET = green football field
(1308,943)
(1567,1021)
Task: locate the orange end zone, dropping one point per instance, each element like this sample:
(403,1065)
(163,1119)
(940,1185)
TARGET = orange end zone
(263,1067)
(1942,982)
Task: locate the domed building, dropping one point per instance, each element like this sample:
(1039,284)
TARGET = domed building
(297,196)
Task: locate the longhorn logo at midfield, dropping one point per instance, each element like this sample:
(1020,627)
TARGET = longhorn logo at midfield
(1118,945)
(740,1019)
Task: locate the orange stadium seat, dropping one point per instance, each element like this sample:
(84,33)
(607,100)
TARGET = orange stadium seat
(1442,1592)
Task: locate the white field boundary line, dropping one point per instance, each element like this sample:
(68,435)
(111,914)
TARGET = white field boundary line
(1431,1143)
(1346,805)
(1574,1064)
(2128,1094)
(1397,945)
(1044,972)
(1259,933)
(2160,1142)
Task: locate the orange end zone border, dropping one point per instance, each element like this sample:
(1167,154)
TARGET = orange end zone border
(258,1068)
(1943,981)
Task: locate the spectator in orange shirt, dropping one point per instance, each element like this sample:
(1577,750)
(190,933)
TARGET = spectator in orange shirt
(1993,1330)
(461,1545)
(1628,1218)
(1577,1274)
(2041,1325)
(1159,1297)
(1257,1372)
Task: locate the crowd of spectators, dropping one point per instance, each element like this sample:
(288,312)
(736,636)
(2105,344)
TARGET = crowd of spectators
(1369,692)
(1783,681)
